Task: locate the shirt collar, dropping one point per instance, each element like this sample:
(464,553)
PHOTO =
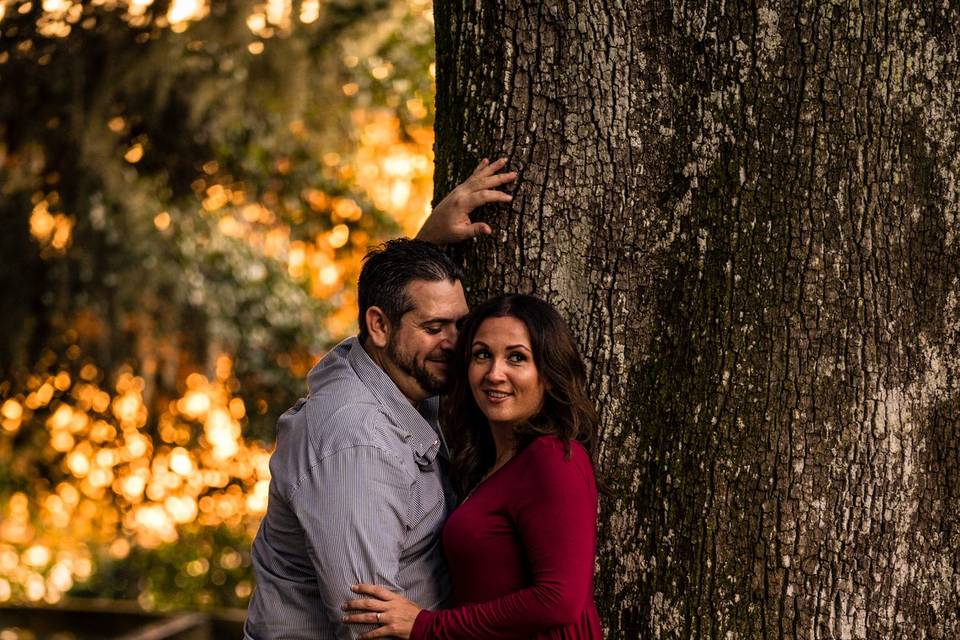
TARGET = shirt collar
(422,426)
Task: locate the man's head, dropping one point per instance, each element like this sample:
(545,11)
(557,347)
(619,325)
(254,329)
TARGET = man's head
(410,300)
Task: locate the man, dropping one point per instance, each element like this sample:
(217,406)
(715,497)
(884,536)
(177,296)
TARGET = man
(359,491)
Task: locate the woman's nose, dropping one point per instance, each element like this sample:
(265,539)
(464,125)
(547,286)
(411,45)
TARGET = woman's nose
(495,372)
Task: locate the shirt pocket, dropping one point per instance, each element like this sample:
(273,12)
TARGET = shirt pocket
(428,504)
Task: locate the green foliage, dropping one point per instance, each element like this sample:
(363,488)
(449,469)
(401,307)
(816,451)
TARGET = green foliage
(75,106)
(208,567)
(154,181)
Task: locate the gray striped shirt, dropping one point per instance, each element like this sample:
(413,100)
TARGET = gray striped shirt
(358,493)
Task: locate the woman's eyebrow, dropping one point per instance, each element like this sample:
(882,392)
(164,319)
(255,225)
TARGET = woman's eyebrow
(481,343)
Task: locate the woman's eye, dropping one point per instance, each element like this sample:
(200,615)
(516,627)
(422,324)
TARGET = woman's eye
(480,355)
(516,357)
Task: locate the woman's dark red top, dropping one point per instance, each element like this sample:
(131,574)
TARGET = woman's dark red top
(521,550)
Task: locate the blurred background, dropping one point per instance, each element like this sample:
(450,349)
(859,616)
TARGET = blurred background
(187,189)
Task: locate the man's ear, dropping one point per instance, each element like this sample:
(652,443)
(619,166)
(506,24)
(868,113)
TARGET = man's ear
(378,327)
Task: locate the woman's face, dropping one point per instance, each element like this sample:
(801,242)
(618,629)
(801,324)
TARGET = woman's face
(503,377)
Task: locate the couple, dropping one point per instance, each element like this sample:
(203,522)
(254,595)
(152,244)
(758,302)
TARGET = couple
(361,538)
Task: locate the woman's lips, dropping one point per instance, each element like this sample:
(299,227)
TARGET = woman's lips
(496,397)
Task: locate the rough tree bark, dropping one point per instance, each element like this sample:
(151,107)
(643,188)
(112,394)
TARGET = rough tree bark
(748,212)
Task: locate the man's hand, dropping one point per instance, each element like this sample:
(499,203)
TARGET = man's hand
(450,221)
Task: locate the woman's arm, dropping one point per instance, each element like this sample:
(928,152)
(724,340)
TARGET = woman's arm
(555,508)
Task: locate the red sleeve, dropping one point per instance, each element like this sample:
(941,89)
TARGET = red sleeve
(555,510)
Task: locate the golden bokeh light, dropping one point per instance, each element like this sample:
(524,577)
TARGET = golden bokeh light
(133,468)
(182,11)
(52,231)
(11,410)
(309,11)
(339,236)
(134,154)
(162,221)
(46,538)
(278,13)
(138,7)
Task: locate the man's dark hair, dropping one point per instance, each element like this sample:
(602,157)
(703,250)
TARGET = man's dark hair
(390,267)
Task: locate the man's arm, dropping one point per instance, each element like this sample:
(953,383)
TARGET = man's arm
(450,222)
(354,511)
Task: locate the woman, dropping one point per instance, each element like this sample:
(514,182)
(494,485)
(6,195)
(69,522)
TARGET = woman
(520,548)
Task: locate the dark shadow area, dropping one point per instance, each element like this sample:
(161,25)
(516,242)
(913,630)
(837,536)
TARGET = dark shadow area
(116,620)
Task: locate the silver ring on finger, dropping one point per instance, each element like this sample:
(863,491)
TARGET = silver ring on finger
(378,617)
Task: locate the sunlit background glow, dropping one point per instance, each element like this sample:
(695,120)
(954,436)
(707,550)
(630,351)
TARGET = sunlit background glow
(133,471)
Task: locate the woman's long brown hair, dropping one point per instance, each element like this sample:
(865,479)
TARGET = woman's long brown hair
(567,411)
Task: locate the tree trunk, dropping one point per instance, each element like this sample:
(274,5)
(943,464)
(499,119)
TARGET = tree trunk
(749,217)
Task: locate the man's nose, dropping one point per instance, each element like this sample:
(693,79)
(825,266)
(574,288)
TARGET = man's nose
(449,339)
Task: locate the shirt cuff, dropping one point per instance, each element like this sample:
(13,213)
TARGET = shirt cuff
(422,624)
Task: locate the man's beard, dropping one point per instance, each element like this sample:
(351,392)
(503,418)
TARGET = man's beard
(409,365)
